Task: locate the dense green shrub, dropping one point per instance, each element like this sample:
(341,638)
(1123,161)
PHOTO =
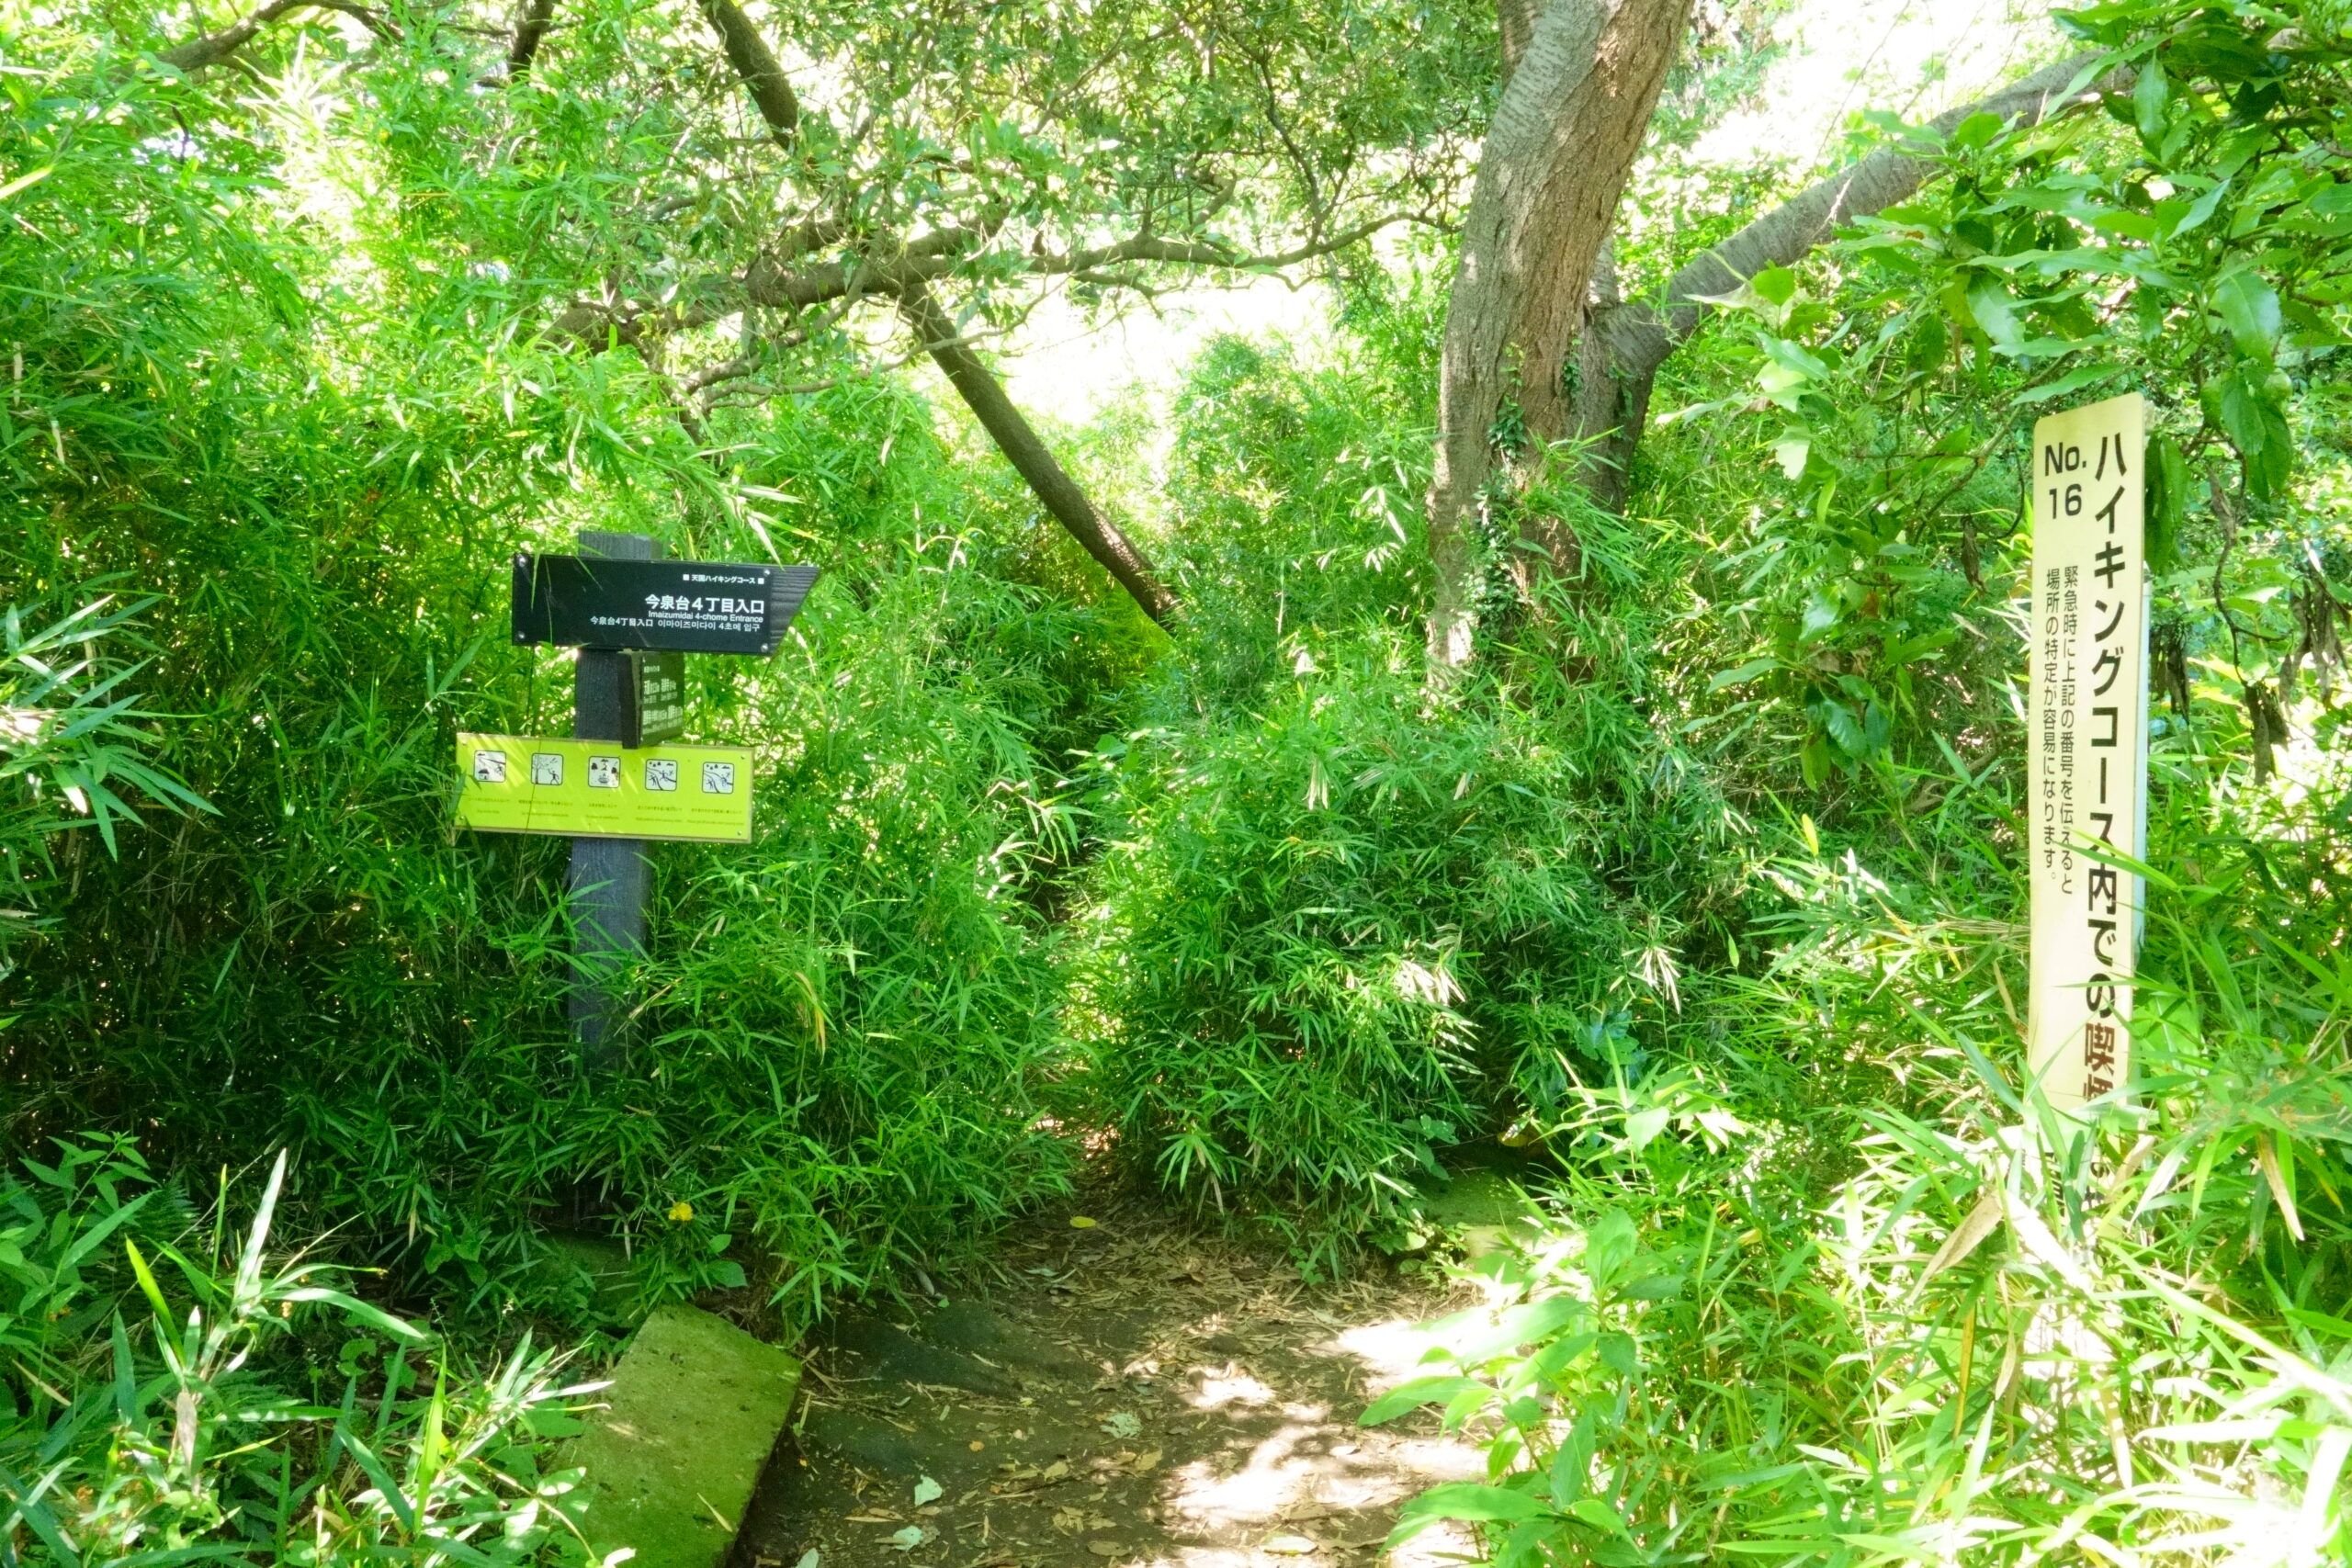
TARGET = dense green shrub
(1337,922)
(152,1407)
(245,388)
(1824,1283)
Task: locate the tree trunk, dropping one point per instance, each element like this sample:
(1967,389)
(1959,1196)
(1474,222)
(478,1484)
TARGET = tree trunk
(1618,362)
(532,20)
(1564,138)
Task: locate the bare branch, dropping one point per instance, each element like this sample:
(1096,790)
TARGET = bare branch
(214,48)
(756,64)
(1030,457)
(1194,253)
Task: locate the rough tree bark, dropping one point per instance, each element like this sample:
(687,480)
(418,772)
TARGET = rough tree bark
(1616,347)
(1563,140)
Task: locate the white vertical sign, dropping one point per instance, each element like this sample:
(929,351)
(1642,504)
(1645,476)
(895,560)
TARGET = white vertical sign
(2088,782)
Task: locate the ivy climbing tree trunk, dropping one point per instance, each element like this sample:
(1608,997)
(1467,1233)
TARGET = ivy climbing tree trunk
(1563,139)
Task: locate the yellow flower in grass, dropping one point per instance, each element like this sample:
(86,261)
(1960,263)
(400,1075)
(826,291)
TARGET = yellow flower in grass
(681,1211)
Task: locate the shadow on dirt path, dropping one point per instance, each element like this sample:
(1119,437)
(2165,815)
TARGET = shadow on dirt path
(1137,1394)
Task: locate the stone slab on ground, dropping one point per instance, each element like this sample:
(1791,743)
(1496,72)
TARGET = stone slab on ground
(693,1411)
(891,1353)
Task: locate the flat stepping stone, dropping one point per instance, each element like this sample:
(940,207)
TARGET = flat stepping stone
(693,1413)
(893,1355)
(878,1448)
(963,1325)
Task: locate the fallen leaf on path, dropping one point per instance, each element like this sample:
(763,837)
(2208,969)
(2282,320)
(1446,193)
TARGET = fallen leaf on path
(909,1538)
(1080,1223)
(1103,1548)
(1291,1546)
(928,1491)
(1144,1460)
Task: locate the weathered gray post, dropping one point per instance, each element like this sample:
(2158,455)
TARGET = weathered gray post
(608,875)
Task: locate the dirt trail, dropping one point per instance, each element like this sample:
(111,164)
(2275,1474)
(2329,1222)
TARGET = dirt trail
(1137,1394)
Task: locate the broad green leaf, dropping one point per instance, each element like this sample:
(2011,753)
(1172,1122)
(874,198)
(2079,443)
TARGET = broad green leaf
(2249,308)
(1776,284)
(2149,97)
(2071,382)
(1993,309)
(1739,674)
(1792,452)
(1414,1394)
(1976,131)
(2166,495)
(2129,225)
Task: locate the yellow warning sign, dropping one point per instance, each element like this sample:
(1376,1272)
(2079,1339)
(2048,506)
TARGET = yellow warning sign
(600,789)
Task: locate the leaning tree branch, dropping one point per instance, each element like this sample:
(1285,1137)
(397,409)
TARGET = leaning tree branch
(908,275)
(756,64)
(214,48)
(1625,344)
(1030,457)
(1641,336)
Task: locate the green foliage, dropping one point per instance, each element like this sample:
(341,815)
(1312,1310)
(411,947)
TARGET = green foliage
(2183,245)
(1337,924)
(1867,1305)
(1956,1337)
(179,1440)
(263,387)
(70,750)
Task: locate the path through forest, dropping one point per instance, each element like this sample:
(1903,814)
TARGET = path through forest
(1133,1392)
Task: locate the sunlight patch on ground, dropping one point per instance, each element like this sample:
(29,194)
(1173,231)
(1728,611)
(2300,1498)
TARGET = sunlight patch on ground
(1314,1478)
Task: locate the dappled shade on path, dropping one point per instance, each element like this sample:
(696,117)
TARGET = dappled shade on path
(1135,1393)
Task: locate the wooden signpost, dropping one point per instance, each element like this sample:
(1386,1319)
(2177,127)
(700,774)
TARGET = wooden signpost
(2087,789)
(613,785)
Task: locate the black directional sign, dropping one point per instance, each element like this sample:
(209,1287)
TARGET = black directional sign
(690,606)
